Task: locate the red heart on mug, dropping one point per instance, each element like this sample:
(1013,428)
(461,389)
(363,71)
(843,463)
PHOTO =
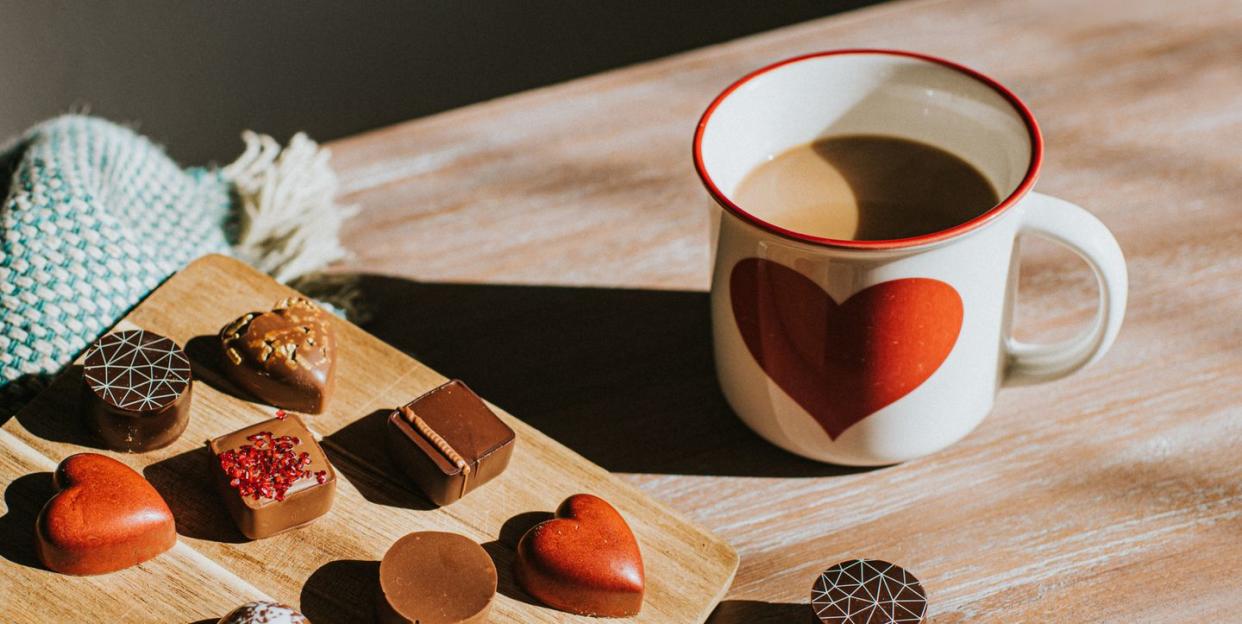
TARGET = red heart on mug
(105,517)
(843,362)
(584,561)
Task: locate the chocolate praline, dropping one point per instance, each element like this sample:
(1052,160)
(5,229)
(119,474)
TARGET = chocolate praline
(264,612)
(286,356)
(448,442)
(137,390)
(272,476)
(585,560)
(868,591)
(432,577)
(105,517)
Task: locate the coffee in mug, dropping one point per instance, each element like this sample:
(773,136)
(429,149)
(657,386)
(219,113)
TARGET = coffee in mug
(866,187)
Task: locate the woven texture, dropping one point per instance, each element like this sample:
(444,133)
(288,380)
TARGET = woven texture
(94,218)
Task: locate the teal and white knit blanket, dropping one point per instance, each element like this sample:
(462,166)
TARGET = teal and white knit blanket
(95,217)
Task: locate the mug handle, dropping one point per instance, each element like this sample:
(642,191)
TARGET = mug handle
(1070,225)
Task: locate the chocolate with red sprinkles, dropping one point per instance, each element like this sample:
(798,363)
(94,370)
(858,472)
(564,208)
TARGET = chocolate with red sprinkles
(272,476)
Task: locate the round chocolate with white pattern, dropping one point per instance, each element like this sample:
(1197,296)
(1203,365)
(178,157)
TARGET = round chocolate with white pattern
(137,390)
(264,612)
(868,591)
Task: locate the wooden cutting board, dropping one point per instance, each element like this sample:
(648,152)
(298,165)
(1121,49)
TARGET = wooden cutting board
(330,567)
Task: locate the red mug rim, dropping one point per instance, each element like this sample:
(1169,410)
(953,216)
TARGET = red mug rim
(1028,180)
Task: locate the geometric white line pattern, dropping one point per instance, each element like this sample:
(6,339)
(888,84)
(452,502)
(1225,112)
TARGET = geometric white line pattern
(94,219)
(868,591)
(137,370)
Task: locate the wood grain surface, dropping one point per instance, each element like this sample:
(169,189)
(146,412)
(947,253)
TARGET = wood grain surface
(331,566)
(552,249)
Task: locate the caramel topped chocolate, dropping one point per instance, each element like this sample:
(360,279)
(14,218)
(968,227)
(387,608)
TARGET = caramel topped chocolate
(137,390)
(286,356)
(449,442)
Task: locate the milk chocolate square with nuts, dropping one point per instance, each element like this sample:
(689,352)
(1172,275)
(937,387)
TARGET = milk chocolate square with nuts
(286,356)
(448,442)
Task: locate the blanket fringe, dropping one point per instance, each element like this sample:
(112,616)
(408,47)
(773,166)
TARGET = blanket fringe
(288,220)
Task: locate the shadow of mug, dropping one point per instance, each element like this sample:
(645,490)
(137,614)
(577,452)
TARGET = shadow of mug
(624,377)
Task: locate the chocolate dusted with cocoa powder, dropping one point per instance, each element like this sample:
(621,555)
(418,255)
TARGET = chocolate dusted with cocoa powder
(432,577)
(448,442)
(272,476)
(137,390)
(286,357)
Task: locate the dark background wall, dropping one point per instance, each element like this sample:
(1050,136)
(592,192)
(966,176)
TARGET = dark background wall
(194,74)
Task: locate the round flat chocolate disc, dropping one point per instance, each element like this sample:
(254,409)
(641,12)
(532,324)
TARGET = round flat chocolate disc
(137,371)
(436,578)
(868,591)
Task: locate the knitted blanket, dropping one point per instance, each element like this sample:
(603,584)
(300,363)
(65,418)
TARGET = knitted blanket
(95,217)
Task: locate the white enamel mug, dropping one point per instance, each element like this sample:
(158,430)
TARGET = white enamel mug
(875,352)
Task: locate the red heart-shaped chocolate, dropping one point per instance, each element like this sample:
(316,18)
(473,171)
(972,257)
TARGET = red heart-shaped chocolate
(843,362)
(105,517)
(584,561)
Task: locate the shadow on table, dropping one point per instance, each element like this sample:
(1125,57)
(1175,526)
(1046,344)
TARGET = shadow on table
(345,590)
(503,550)
(56,414)
(359,451)
(758,612)
(23,498)
(186,484)
(206,362)
(341,591)
(624,377)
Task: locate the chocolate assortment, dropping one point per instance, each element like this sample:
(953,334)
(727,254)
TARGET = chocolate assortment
(432,577)
(584,561)
(286,357)
(448,442)
(105,517)
(264,612)
(272,476)
(868,591)
(137,389)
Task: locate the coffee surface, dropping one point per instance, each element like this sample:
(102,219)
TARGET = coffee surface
(865,187)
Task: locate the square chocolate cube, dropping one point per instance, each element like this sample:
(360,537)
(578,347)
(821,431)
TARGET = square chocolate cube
(448,442)
(272,476)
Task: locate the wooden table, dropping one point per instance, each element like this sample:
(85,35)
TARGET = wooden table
(551,248)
